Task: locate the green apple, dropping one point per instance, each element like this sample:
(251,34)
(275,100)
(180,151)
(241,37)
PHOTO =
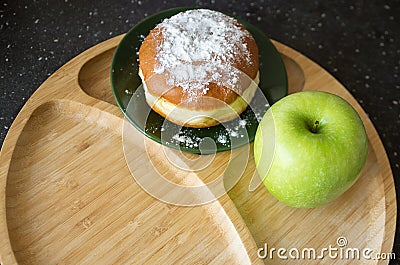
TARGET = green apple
(309,148)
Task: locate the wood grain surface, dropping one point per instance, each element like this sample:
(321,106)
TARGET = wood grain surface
(68,197)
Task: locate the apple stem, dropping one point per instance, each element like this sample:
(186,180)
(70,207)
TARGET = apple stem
(315,127)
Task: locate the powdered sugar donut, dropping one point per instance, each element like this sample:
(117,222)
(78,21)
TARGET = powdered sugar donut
(199,68)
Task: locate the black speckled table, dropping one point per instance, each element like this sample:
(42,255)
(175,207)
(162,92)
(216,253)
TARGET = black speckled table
(355,41)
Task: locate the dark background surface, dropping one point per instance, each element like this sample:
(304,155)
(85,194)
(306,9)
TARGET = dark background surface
(357,42)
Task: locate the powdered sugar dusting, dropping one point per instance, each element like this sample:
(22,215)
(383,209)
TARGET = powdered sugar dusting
(199,47)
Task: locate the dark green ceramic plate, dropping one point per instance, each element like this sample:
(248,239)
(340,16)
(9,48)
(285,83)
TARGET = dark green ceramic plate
(126,85)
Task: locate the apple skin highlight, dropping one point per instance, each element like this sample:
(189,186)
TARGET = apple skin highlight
(310,147)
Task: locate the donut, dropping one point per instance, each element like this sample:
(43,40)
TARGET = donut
(199,68)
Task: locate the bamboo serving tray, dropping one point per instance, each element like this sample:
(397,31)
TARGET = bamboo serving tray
(67,195)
